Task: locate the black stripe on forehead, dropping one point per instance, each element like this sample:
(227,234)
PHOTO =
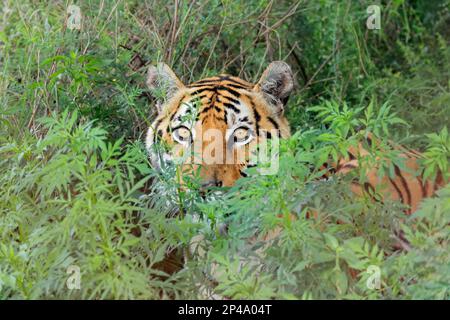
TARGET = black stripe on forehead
(228,99)
(200,82)
(204,84)
(237,86)
(206,109)
(219,118)
(211,104)
(229,90)
(200,90)
(222,78)
(211,85)
(231,106)
(228,78)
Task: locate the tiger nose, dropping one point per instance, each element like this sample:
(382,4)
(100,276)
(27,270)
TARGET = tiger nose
(211,183)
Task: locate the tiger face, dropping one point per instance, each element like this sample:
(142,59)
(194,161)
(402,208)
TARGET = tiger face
(213,126)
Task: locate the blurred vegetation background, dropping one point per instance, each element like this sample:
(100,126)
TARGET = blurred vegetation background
(76,187)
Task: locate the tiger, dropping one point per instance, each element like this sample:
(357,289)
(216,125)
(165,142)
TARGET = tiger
(243,116)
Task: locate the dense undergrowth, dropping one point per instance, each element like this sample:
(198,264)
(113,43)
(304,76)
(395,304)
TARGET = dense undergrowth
(76,188)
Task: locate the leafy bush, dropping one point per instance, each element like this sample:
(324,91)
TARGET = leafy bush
(67,200)
(318,258)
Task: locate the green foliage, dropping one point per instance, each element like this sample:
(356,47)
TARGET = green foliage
(437,155)
(76,187)
(72,198)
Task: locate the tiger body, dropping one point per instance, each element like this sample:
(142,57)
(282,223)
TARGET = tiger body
(245,115)
(405,185)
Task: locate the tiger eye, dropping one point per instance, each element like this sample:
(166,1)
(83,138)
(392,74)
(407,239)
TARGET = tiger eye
(183,133)
(241,134)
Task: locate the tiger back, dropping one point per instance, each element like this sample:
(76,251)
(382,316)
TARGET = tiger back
(405,184)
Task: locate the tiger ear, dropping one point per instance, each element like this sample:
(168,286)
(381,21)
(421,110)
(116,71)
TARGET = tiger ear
(163,83)
(276,84)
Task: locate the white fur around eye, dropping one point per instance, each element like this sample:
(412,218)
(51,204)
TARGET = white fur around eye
(243,134)
(183,135)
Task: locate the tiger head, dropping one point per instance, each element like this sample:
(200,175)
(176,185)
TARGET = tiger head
(212,126)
